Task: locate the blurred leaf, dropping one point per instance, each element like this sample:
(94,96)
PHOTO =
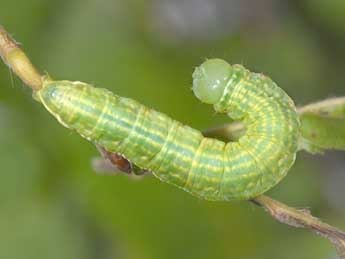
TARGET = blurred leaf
(329,13)
(32,230)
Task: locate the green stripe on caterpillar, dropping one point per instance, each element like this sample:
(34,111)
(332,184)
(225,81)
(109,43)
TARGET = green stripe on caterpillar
(178,154)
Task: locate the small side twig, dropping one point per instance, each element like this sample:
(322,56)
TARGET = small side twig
(332,107)
(231,131)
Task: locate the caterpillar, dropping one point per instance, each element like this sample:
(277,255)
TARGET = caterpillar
(178,154)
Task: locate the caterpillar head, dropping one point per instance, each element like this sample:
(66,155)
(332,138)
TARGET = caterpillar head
(210,79)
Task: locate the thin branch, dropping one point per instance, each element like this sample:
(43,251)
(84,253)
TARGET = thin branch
(303,219)
(333,107)
(228,132)
(16,60)
(231,131)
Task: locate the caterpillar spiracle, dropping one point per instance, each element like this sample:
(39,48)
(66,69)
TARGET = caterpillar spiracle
(178,154)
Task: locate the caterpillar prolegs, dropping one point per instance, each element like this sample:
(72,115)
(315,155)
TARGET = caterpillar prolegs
(178,154)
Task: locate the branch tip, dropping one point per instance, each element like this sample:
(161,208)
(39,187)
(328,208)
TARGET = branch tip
(16,60)
(302,218)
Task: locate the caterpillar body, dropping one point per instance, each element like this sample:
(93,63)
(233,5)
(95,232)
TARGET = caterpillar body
(178,154)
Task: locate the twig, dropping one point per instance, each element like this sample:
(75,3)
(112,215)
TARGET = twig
(16,60)
(303,219)
(230,131)
(333,107)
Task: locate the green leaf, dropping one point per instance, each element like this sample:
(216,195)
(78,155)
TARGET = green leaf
(323,125)
(322,132)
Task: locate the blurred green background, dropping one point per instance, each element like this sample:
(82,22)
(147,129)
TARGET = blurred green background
(53,205)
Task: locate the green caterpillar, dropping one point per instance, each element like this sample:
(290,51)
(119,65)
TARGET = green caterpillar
(178,154)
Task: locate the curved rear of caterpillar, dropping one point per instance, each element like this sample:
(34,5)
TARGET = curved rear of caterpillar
(180,155)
